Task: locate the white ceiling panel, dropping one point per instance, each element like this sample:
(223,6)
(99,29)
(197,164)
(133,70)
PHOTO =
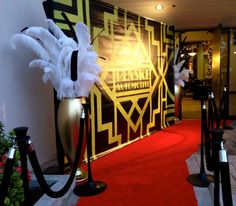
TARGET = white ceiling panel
(184,14)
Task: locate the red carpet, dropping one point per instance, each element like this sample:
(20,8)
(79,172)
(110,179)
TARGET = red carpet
(149,172)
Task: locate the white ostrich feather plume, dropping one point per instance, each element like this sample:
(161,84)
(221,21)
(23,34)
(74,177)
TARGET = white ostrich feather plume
(54,50)
(180,76)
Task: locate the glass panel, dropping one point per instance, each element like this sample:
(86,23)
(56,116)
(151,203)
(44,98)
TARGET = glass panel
(232,104)
(232,74)
(216,76)
(223,61)
(232,78)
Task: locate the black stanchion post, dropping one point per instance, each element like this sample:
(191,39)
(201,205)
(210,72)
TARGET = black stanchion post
(90,187)
(203,132)
(89,142)
(217,134)
(201,179)
(225,176)
(208,140)
(8,168)
(22,141)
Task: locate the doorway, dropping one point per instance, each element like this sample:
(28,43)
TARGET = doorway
(213,64)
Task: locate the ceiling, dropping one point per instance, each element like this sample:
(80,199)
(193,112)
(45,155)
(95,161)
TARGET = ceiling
(184,14)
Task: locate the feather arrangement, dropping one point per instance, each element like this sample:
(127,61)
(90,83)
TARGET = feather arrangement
(181,74)
(54,50)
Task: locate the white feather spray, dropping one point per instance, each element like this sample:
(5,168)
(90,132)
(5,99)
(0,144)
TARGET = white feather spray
(54,50)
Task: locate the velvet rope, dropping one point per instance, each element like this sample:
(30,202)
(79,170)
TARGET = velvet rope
(216,113)
(223,98)
(39,175)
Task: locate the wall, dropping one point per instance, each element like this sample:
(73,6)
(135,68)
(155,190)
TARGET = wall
(134,97)
(24,99)
(197,36)
(201,72)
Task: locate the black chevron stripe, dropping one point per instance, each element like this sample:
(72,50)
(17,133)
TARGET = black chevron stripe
(50,6)
(63,7)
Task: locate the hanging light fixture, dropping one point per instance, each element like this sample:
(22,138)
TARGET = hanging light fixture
(192,54)
(193,51)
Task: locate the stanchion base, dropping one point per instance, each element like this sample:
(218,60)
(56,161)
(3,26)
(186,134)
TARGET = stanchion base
(90,188)
(227,127)
(200,180)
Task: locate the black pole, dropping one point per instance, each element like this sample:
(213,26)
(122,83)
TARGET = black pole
(225,184)
(8,168)
(89,142)
(201,179)
(90,187)
(217,134)
(208,139)
(203,130)
(225,177)
(22,141)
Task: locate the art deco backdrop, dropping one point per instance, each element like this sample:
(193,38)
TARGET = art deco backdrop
(135,95)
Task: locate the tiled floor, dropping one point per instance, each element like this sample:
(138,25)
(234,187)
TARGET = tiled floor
(191,109)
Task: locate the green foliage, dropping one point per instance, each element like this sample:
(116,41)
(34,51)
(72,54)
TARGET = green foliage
(6,140)
(15,195)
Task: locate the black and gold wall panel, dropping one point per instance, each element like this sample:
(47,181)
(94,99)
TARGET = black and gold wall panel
(135,94)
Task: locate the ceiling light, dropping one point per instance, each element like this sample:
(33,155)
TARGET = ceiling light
(159,7)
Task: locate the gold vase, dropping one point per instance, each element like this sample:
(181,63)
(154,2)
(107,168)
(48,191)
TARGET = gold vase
(68,121)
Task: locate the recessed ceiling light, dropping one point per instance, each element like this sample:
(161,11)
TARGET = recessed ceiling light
(159,7)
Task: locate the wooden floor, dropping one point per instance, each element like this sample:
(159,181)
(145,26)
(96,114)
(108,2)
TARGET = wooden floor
(191,109)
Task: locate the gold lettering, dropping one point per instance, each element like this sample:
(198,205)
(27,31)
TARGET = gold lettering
(132,75)
(133,85)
